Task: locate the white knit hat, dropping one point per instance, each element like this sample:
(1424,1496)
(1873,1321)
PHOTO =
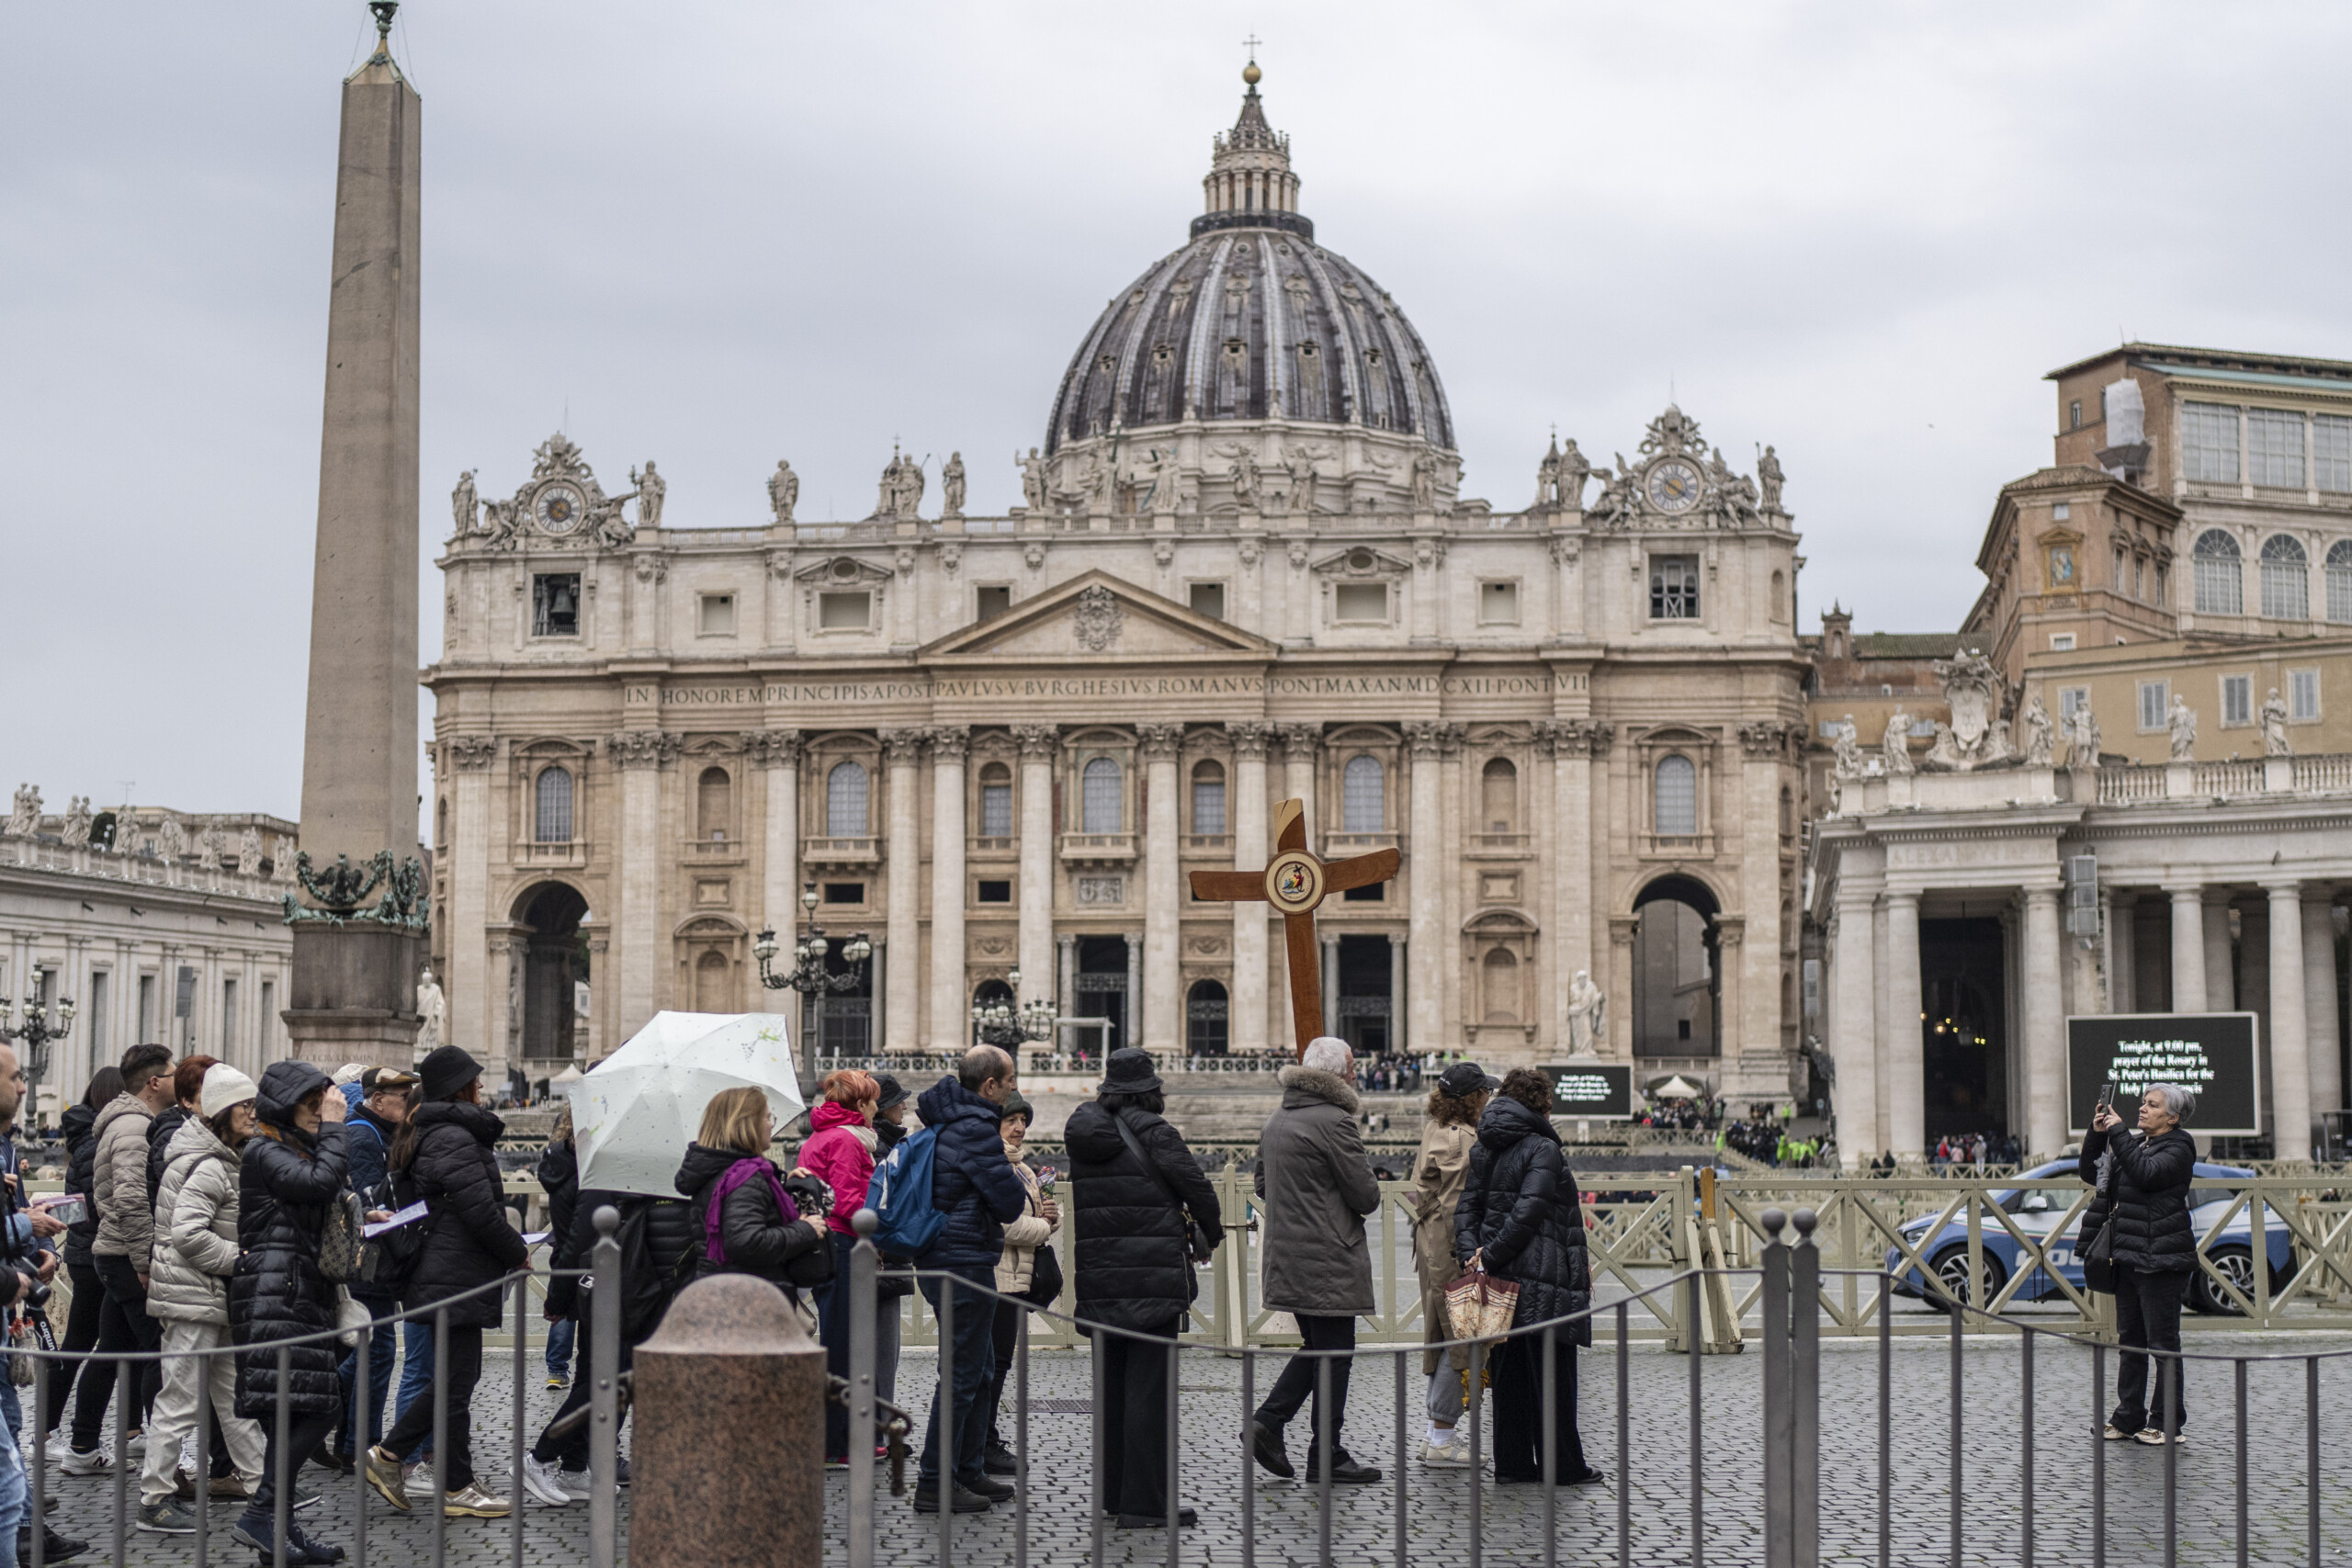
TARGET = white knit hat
(223,1086)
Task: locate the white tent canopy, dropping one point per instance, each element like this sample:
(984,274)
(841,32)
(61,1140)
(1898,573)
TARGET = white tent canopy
(1677,1088)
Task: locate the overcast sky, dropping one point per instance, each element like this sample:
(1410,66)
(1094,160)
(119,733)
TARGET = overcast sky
(717,234)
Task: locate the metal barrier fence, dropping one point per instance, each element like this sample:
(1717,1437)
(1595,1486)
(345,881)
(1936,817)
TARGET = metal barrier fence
(602,1409)
(2011,1238)
(1789,1481)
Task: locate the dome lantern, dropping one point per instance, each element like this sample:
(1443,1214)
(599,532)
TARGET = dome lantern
(1250,183)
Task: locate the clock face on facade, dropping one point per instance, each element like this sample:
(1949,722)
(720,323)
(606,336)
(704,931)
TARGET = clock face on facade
(1674,486)
(560,508)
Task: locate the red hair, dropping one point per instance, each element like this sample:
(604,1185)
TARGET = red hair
(847,1086)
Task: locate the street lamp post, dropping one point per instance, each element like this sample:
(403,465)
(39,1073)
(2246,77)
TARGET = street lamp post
(35,1033)
(808,975)
(1007,1024)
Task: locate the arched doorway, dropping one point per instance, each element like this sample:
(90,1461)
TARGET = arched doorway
(1207,1018)
(555,962)
(1677,973)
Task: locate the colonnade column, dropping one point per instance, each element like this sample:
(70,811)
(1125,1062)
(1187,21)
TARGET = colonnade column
(2188,948)
(777,752)
(1853,1032)
(1300,744)
(1247,812)
(638,754)
(2045,1027)
(469,916)
(1398,1040)
(1426,879)
(950,1006)
(2220,979)
(2122,953)
(1036,946)
(2290,1068)
(902,970)
(1906,1084)
(2320,1029)
(1162,905)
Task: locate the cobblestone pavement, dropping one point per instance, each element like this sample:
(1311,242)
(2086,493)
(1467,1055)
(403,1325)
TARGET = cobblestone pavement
(1434,1523)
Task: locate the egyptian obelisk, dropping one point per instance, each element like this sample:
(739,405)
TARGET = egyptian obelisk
(356,954)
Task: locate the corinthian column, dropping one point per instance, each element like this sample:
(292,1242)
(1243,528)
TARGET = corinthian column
(1247,812)
(2045,1026)
(1036,944)
(776,753)
(1162,1019)
(948,745)
(468,913)
(1425,877)
(638,754)
(2290,1071)
(902,753)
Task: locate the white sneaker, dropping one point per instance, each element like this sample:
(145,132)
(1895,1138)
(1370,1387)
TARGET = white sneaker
(1453,1456)
(98,1461)
(541,1481)
(57,1448)
(574,1484)
(137,1446)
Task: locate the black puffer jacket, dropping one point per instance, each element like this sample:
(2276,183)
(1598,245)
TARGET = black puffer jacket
(758,1239)
(287,1180)
(160,1134)
(1134,1271)
(454,1169)
(971,1180)
(2147,1191)
(669,1235)
(559,1174)
(78,1126)
(1520,1207)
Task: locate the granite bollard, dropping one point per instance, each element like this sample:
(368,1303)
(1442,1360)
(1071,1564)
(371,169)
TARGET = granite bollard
(730,1423)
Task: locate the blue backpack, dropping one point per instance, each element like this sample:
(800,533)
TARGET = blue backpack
(900,1195)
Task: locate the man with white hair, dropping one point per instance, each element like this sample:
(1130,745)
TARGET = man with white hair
(1314,1188)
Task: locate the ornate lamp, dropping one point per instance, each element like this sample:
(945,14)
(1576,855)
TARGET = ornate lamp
(37,1031)
(808,975)
(1008,1024)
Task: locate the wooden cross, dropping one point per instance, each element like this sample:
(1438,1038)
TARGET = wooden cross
(1294,881)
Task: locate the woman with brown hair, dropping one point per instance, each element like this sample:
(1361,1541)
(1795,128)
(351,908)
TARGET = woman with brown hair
(1440,1169)
(757,1227)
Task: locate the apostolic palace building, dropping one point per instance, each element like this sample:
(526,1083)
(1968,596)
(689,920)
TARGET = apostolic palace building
(1242,571)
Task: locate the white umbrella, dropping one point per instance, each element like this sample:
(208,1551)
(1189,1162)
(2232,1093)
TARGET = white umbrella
(633,1115)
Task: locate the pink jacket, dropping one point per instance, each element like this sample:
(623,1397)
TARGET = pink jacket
(841,1152)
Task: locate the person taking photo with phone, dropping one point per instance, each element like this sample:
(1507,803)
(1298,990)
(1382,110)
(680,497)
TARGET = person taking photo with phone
(2143,1178)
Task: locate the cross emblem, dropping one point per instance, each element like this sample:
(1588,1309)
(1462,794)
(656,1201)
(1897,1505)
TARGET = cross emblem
(1295,882)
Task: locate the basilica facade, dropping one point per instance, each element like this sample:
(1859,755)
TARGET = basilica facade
(1243,570)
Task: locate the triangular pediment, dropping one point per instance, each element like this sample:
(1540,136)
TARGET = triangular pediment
(1099,616)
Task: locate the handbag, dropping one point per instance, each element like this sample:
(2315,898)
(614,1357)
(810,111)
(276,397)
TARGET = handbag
(351,1319)
(1197,1245)
(2099,1257)
(893,1277)
(1480,1307)
(342,1237)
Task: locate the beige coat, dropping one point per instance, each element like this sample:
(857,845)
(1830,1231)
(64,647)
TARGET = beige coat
(119,1182)
(1023,1236)
(1438,1171)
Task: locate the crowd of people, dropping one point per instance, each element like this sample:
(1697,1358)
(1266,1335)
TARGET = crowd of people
(1974,1151)
(1683,1115)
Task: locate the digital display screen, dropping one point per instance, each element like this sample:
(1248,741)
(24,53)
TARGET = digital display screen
(1592,1091)
(2211,1053)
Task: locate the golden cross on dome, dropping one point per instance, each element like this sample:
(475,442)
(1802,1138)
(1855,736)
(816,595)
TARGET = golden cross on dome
(1294,881)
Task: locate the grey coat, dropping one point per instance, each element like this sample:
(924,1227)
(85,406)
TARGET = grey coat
(1314,1188)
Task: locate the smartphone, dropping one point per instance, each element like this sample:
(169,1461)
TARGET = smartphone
(2107,1092)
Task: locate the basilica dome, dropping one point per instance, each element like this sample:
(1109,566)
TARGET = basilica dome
(1251,321)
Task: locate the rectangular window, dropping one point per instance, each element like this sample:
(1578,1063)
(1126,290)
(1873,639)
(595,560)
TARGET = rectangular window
(2302,694)
(718,614)
(988,891)
(996,811)
(2237,699)
(555,603)
(1207,599)
(2331,452)
(1360,602)
(2073,699)
(2208,443)
(844,611)
(1674,588)
(2061,642)
(844,892)
(2153,697)
(1499,603)
(2075,414)
(2274,448)
(1208,806)
(1369,893)
(990,600)
(2061,512)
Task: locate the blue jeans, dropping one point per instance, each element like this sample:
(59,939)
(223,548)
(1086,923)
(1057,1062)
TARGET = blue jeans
(560,1334)
(383,1349)
(416,1378)
(973,1356)
(12,1503)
